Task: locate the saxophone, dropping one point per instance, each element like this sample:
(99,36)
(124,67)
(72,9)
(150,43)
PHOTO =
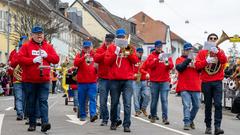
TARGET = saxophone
(139,75)
(17,73)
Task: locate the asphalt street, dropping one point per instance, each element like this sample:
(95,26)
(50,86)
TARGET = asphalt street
(65,122)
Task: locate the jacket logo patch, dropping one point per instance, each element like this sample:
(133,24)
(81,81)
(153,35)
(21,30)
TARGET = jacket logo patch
(35,53)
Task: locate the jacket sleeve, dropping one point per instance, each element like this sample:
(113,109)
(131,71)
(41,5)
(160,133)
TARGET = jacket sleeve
(78,60)
(144,68)
(222,57)
(200,61)
(181,66)
(13,59)
(99,56)
(52,56)
(171,65)
(24,59)
(110,56)
(133,58)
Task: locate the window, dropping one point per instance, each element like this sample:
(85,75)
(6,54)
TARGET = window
(133,28)
(3,22)
(143,18)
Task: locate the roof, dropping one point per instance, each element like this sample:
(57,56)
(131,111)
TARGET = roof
(151,30)
(96,16)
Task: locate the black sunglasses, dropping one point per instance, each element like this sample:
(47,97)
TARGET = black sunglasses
(213,38)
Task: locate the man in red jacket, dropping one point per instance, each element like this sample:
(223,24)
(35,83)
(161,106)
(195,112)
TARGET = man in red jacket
(103,79)
(86,79)
(19,95)
(121,78)
(212,83)
(34,53)
(140,89)
(159,66)
(188,87)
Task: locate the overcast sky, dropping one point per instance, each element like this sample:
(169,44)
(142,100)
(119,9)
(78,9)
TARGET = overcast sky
(203,15)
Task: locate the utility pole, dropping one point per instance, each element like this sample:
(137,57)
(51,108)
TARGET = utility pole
(8,28)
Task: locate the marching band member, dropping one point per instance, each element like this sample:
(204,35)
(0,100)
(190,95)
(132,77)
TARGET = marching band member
(189,88)
(17,80)
(34,53)
(86,79)
(103,79)
(121,78)
(140,88)
(212,84)
(159,66)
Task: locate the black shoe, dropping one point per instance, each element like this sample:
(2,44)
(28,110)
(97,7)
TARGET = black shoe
(27,122)
(218,131)
(119,122)
(238,116)
(192,125)
(104,123)
(157,118)
(113,126)
(19,117)
(153,119)
(45,127)
(92,119)
(31,128)
(186,127)
(208,131)
(166,122)
(127,129)
(39,123)
(65,95)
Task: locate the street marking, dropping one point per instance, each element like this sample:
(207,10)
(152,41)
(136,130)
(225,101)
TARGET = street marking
(9,108)
(6,99)
(1,121)
(161,126)
(158,125)
(75,120)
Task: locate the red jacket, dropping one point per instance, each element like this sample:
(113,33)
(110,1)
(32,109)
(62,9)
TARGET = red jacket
(13,61)
(121,69)
(189,78)
(158,71)
(103,69)
(86,73)
(137,68)
(201,63)
(31,71)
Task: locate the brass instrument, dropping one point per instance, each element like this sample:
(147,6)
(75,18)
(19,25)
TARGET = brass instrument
(139,75)
(213,68)
(17,73)
(129,49)
(88,59)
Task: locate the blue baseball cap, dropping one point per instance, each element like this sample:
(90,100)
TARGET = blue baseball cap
(23,38)
(37,29)
(187,46)
(140,50)
(87,43)
(120,32)
(158,43)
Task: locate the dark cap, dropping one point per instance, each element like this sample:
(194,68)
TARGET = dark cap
(109,37)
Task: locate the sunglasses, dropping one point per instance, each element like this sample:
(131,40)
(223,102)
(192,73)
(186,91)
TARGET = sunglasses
(213,38)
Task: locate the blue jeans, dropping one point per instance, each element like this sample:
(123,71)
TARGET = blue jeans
(213,91)
(104,88)
(118,87)
(87,90)
(75,98)
(141,90)
(162,89)
(37,94)
(19,98)
(191,104)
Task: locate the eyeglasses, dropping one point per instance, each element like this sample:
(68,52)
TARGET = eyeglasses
(213,38)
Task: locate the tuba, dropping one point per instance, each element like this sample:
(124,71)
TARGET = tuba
(213,68)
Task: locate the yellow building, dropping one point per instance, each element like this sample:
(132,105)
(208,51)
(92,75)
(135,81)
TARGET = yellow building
(3,33)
